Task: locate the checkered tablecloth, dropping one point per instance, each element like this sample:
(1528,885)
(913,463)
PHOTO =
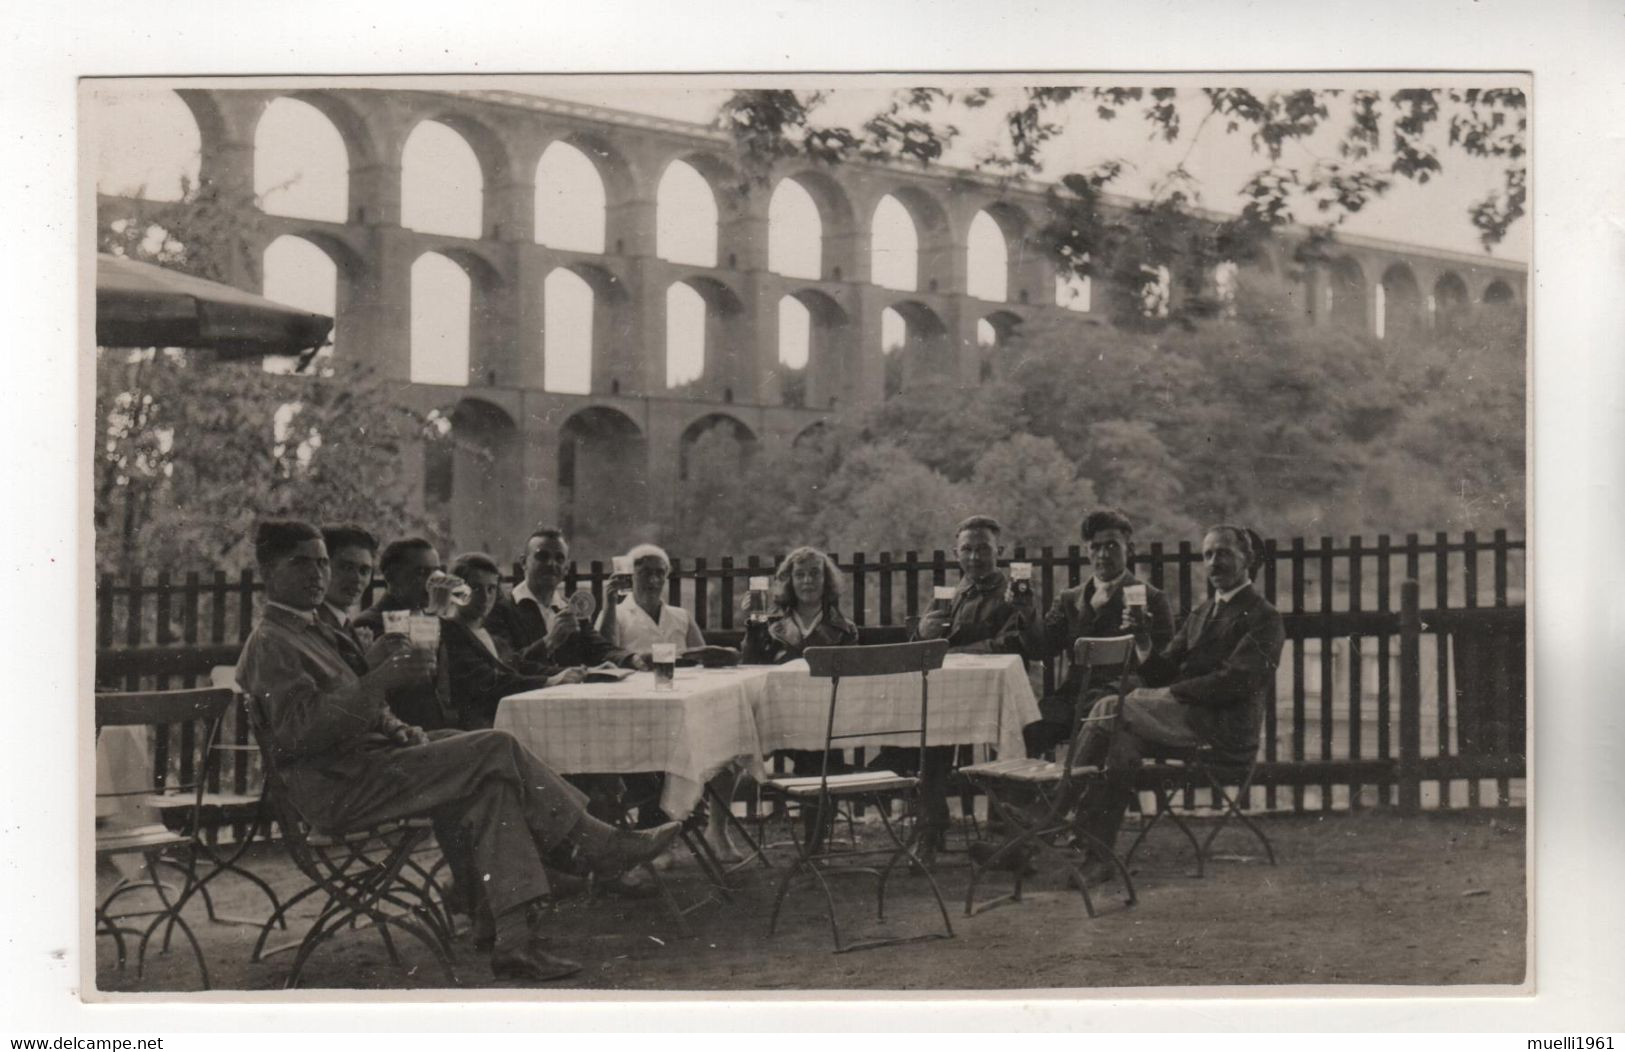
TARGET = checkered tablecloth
(691,732)
(717,715)
(975,699)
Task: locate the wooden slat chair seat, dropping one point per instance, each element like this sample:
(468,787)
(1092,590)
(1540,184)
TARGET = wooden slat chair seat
(1170,773)
(155,843)
(816,856)
(1023,769)
(808,787)
(1036,798)
(369,876)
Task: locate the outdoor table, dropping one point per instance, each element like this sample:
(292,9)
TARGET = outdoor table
(714,716)
(690,732)
(976,699)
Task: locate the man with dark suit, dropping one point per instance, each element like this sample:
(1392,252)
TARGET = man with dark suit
(536,622)
(1094,608)
(407,564)
(349,763)
(482,669)
(352,558)
(981,618)
(1206,686)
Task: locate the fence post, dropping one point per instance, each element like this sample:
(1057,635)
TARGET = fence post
(1410,698)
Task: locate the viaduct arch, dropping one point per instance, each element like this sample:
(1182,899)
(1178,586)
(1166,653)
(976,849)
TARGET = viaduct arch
(607,462)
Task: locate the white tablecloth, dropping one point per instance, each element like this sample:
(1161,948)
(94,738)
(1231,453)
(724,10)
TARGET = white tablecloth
(975,699)
(691,732)
(716,715)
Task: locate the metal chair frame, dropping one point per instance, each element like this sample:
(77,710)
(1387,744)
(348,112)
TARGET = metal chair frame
(361,871)
(813,856)
(1169,770)
(1050,822)
(160,708)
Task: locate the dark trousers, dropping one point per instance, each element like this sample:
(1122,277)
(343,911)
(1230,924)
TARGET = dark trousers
(504,804)
(939,764)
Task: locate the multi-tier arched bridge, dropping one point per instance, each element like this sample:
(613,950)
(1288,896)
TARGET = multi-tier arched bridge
(607,459)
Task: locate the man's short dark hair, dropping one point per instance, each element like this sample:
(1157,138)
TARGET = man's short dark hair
(1105,519)
(552,533)
(275,538)
(978,522)
(1243,539)
(470,561)
(395,551)
(348,535)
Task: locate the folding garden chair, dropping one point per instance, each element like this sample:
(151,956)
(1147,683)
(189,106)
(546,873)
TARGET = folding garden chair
(245,811)
(367,875)
(156,843)
(816,856)
(1173,773)
(1037,798)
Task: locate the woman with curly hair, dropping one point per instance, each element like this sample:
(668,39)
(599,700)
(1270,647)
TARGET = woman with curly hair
(806,611)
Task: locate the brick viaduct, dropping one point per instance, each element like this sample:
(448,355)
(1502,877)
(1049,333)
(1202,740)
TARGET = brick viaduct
(624,441)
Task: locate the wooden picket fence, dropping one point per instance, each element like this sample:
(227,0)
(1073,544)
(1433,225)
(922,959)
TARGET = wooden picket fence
(1378,701)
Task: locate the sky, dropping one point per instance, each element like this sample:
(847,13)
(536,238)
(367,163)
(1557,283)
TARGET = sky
(144,138)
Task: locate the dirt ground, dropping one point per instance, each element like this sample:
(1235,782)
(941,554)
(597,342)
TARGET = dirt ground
(1356,899)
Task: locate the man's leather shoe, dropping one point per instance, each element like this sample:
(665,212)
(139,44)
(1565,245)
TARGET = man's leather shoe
(627,848)
(531,964)
(1015,861)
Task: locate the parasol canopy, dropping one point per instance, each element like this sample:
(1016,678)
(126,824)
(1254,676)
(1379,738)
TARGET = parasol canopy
(142,305)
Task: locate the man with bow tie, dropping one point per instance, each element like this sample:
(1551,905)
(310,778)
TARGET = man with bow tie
(1206,686)
(1095,608)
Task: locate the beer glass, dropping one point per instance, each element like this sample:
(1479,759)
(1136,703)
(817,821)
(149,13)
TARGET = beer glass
(664,656)
(621,573)
(1021,580)
(756,601)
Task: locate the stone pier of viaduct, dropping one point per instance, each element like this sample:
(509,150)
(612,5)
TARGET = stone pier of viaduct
(607,464)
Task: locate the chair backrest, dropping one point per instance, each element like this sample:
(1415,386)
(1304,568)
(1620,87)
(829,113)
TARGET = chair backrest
(295,827)
(1113,654)
(1092,652)
(161,707)
(885,660)
(837,663)
(165,708)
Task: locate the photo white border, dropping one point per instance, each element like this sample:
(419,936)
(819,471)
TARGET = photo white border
(1573,49)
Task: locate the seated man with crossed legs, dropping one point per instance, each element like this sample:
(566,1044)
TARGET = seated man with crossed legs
(1205,687)
(351,764)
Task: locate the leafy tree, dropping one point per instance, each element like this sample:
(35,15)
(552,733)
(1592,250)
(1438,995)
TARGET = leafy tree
(190,451)
(1033,489)
(1133,469)
(882,498)
(948,427)
(766,507)
(1380,138)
